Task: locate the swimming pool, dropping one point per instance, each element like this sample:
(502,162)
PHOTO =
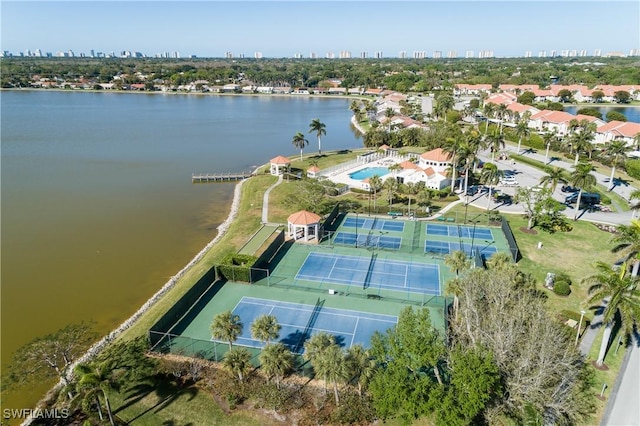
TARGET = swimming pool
(368,172)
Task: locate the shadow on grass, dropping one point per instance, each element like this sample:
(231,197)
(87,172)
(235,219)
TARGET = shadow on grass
(167,392)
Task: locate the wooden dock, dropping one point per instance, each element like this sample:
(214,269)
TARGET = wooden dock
(219,177)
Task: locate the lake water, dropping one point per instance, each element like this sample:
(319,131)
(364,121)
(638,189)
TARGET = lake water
(98,208)
(632,113)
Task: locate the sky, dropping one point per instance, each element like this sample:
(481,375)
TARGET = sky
(285,28)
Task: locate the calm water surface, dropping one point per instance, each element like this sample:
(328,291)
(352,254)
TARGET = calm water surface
(632,113)
(98,208)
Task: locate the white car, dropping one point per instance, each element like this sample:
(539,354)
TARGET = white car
(508,181)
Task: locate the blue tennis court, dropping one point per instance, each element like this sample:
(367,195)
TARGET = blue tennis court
(299,322)
(375,223)
(371,272)
(367,240)
(446,247)
(459,231)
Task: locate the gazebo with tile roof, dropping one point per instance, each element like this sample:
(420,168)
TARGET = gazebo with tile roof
(304,224)
(280,165)
(313,171)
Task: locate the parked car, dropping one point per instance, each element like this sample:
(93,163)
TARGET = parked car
(568,188)
(587,198)
(508,181)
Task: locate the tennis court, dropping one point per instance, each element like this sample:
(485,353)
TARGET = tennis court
(367,240)
(459,231)
(300,321)
(446,247)
(371,272)
(375,224)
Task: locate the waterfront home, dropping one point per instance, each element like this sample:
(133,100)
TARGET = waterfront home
(618,130)
(558,121)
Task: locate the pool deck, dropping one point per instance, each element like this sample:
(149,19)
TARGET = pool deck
(343,177)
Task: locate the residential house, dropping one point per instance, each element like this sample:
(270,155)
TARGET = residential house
(471,89)
(618,130)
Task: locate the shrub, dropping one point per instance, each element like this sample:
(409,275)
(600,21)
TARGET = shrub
(561,288)
(237,267)
(563,276)
(633,168)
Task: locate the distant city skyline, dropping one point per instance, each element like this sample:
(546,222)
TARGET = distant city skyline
(353,29)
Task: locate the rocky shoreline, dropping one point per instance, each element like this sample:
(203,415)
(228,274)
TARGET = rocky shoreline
(97,347)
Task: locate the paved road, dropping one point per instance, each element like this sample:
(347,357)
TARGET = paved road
(625,405)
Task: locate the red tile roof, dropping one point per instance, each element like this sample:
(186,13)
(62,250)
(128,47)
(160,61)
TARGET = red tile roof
(436,155)
(303,218)
(280,160)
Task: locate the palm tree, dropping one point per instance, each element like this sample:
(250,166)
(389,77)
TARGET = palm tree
(276,360)
(488,110)
(548,138)
(299,141)
(457,261)
(93,381)
(389,113)
(501,111)
(500,261)
(423,197)
(331,365)
(627,241)
(617,150)
(553,177)
(320,129)
(413,188)
(226,326)
(490,176)
(360,366)
(315,347)
(522,130)
(495,141)
(452,147)
(581,138)
(622,296)
(354,106)
(582,179)
(454,286)
(238,362)
(265,328)
(391,185)
(375,183)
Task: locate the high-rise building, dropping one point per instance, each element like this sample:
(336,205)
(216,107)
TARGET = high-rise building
(363,55)
(257,55)
(542,54)
(564,53)
(313,55)
(452,54)
(583,52)
(527,54)
(573,53)
(378,55)
(554,53)
(419,54)
(597,52)
(228,55)
(634,52)
(330,55)
(298,56)
(344,54)
(468,54)
(402,54)
(437,54)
